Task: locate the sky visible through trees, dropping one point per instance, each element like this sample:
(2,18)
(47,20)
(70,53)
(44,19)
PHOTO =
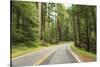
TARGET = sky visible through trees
(39,24)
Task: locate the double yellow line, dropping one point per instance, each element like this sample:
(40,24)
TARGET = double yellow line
(45,57)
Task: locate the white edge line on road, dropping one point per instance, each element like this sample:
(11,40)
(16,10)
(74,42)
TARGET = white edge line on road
(45,57)
(30,53)
(26,54)
(75,56)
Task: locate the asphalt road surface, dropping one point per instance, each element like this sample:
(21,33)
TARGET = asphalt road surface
(58,54)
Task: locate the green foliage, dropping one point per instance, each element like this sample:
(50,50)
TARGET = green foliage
(81,52)
(24,20)
(37,24)
(85,26)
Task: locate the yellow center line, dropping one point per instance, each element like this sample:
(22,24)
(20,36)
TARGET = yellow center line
(45,57)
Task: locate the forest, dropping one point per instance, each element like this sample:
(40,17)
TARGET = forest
(35,24)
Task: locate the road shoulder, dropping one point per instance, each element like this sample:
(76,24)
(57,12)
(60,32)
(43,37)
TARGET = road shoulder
(82,54)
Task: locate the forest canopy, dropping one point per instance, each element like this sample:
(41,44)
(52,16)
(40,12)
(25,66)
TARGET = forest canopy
(37,24)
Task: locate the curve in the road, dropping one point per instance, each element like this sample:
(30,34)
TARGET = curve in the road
(57,54)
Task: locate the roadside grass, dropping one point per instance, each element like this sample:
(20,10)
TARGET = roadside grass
(23,49)
(83,54)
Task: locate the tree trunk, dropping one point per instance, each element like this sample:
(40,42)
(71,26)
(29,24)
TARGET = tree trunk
(87,33)
(78,23)
(42,21)
(39,8)
(74,26)
(58,24)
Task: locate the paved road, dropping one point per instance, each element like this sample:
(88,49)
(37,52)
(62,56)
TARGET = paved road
(58,54)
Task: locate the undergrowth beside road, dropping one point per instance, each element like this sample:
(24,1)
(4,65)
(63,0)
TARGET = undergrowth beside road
(21,50)
(17,51)
(83,54)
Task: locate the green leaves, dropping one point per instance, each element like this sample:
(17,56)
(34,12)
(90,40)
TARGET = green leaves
(51,22)
(25,19)
(85,26)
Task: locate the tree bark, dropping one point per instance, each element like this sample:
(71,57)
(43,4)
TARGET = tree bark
(74,26)
(78,23)
(87,33)
(39,10)
(42,21)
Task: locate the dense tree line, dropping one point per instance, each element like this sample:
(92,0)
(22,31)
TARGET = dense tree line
(84,23)
(36,23)
(24,22)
